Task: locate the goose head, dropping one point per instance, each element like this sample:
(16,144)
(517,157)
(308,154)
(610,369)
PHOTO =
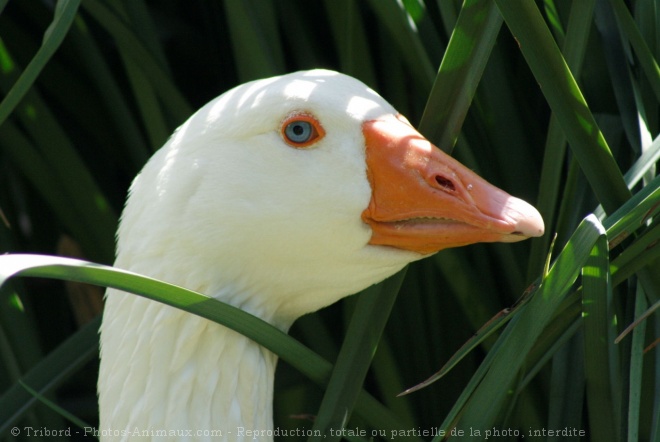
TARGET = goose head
(284,195)
(279,197)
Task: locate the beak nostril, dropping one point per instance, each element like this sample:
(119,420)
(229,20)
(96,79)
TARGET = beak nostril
(446,184)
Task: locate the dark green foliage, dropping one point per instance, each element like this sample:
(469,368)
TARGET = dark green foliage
(555,101)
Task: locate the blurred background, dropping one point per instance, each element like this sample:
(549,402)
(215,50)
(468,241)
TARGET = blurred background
(127,73)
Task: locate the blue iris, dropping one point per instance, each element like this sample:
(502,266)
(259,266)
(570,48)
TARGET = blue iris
(299,131)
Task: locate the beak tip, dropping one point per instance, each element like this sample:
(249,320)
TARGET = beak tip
(530,223)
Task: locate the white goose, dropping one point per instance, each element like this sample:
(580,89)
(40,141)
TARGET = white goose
(280,197)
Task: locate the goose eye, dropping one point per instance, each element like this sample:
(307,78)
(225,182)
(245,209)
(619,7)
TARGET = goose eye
(301,130)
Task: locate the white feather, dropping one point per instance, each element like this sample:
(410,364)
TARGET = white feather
(228,209)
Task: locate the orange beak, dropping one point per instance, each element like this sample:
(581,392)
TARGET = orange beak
(423,200)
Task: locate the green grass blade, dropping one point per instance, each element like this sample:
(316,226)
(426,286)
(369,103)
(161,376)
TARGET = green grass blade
(74,270)
(429,33)
(388,378)
(566,100)
(448,15)
(482,398)
(450,264)
(644,164)
(405,37)
(350,40)
(146,96)
(65,11)
(176,105)
(484,405)
(636,369)
(451,419)
(634,213)
(96,219)
(139,17)
(573,49)
(53,406)
(9,358)
(639,318)
(641,252)
(554,21)
(482,334)
(293,352)
(560,332)
(49,372)
(63,198)
(461,69)
(253,29)
(364,332)
(655,414)
(567,386)
(620,75)
(122,129)
(153,118)
(600,353)
(644,55)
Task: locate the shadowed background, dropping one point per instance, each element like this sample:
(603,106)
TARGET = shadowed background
(554,102)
